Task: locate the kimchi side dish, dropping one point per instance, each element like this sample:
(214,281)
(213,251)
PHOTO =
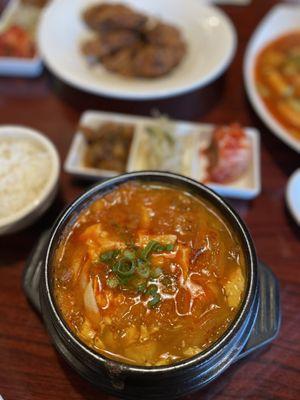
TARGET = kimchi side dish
(149,275)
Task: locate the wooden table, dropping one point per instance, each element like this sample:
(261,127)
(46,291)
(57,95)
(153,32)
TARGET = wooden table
(30,368)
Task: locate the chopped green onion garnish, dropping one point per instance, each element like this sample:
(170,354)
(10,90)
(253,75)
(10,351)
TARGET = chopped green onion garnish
(155,247)
(142,288)
(154,301)
(152,290)
(143,269)
(108,256)
(156,272)
(170,247)
(113,282)
(124,267)
(132,268)
(148,249)
(129,254)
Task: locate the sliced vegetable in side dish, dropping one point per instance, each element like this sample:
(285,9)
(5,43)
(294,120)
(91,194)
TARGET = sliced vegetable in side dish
(162,148)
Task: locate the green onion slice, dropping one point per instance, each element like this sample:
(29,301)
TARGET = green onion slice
(154,301)
(155,247)
(113,282)
(152,290)
(156,272)
(109,256)
(124,267)
(142,288)
(143,269)
(131,255)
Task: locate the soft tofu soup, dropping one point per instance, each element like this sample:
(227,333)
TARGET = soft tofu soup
(149,275)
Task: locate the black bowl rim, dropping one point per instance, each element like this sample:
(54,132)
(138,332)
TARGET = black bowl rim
(235,326)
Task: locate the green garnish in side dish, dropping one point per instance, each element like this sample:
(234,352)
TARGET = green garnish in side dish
(132,269)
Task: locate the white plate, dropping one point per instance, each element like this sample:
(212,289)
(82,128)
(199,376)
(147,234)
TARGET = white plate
(208,31)
(13,66)
(281,19)
(293,195)
(247,187)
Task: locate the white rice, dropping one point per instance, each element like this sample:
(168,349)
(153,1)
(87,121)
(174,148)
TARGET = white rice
(25,168)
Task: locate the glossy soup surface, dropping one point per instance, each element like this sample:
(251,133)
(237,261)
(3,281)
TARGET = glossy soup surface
(149,275)
(278,80)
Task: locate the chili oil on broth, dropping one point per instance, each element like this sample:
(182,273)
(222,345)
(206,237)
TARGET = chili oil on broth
(149,275)
(277,76)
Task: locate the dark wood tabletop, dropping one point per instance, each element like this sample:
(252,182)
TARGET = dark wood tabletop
(30,368)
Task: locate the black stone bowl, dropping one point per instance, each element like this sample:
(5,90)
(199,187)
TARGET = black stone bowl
(181,378)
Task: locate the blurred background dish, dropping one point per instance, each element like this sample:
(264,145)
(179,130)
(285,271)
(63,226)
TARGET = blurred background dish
(209,35)
(29,172)
(18,52)
(276,98)
(293,195)
(130,43)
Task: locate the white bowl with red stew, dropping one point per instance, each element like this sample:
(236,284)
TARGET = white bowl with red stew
(149,286)
(271,72)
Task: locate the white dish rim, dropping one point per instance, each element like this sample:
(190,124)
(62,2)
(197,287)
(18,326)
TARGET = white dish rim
(288,195)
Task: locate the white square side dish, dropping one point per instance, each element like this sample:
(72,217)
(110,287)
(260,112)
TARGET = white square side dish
(15,66)
(197,137)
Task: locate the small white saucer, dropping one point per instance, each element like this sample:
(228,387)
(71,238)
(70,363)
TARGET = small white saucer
(293,195)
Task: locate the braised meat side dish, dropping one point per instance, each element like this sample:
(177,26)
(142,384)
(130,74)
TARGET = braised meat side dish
(108,146)
(149,275)
(107,17)
(130,43)
(35,3)
(109,42)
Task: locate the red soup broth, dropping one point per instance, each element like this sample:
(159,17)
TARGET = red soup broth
(149,275)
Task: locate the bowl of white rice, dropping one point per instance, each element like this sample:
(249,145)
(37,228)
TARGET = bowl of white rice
(29,172)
